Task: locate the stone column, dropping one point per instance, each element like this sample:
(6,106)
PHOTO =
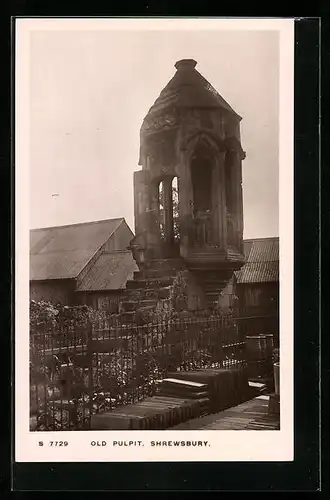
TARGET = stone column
(238,196)
(219,203)
(153,212)
(168,210)
(240,214)
(185,204)
(141,202)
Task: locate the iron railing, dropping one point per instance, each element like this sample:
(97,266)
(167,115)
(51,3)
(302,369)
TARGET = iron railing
(80,370)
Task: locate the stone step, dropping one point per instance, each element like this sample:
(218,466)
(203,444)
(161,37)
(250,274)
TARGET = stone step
(159,282)
(140,293)
(213,287)
(166,263)
(146,308)
(164,292)
(214,295)
(148,303)
(212,291)
(134,305)
(147,293)
(150,282)
(129,305)
(160,273)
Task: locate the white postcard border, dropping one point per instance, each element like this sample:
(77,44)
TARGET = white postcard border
(221,445)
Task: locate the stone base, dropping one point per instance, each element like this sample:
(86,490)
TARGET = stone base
(274,404)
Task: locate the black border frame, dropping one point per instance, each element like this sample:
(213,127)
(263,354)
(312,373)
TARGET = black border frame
(303,474)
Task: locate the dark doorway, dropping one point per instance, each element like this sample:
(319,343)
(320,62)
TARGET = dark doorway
(201,175)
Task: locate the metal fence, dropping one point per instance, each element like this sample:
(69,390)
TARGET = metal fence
(81,369)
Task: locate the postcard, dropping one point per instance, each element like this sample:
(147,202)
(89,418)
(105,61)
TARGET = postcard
(154,239)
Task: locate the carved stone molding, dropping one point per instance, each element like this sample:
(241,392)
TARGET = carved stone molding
(157,123)
(204,135)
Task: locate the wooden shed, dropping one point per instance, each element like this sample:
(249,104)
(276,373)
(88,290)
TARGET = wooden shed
(85,263)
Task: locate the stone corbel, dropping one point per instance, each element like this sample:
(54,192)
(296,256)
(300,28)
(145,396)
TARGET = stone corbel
(233,144)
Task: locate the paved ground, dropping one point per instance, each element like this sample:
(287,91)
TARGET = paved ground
(251,415)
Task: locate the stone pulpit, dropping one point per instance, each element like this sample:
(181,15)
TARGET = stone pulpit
(188,194)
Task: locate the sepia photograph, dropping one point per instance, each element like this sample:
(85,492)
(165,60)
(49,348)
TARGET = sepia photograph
(154,216)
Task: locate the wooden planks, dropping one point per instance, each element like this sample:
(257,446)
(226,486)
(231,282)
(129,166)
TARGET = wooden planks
(251,415)
(153,413)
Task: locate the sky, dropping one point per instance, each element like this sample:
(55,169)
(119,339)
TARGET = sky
(89,93)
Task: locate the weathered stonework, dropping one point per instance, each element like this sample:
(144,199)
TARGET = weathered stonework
(192,135)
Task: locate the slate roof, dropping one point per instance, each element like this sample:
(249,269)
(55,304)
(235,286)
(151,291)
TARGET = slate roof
(63,251)
(110,272)
(262,261)
(188,88)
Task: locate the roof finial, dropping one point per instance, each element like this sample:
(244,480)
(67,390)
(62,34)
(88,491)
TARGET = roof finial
(185,64)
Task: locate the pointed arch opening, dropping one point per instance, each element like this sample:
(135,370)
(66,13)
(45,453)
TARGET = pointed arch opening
(175,209)
(201,167)
(161,210)
(201,177)
(168,210)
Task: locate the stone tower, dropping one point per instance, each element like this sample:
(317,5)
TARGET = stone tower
(188,195)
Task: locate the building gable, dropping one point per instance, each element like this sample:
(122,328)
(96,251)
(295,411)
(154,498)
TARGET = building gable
(63,252)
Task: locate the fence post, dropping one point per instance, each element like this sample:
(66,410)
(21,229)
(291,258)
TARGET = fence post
(90,366)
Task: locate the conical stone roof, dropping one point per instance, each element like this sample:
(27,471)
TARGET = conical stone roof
(188,88)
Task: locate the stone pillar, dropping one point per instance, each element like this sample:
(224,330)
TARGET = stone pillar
(185,204)
(234,197)
(141,201)
(240,220)
(219,203)
(168,210)
(153,208)
(145,213)
(238,197)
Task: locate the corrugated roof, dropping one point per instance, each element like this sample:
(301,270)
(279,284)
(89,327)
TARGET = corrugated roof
(247,244)
(263,249)
(63,251)
(262,261)
(262,272)
(188,88)
(110,272)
